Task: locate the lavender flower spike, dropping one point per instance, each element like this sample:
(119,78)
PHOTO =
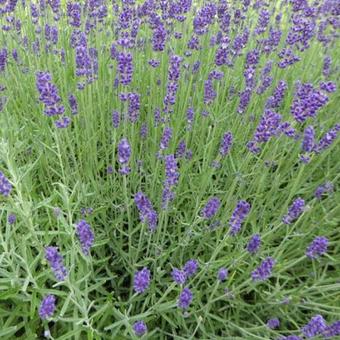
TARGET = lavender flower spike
(5,185)
(178,276)
(124,153)
(226,143)
(294,211)
(56,262)
(85,235)
(273,323)
(211,208)
(315,326)
(47,307)
(240,213)
(185,298)
(264,271)
(142,280)
(222,274)
(254,244)
(147,214)
(317,247)
(190,267)
(140,328)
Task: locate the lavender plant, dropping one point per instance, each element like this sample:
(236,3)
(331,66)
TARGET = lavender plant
(169,169)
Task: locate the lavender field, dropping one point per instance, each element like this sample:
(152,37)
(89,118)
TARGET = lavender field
(169,169)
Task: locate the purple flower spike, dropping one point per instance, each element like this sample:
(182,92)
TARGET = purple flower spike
(268,127)
(327,139)
(166,137)
(185,298)
(315,326)
(140,328)
(240,213)
(307,102)
(294,211)
(226,143)
(322,189)
(211,208)
(47,307)
(11,219)
(56,262)
(72,100)
(171,170)
(49,95)
(190,267)
(317,248)
(85,235)
(5,185)
(308,139)
(222,274)
(332,330)
(124,153)
(125,67)
(254,244)
(328,86)
(147,214)
(63,122)
(273,323)
(179,276)
(115,119)
(142,280)
(264,271)
(171,179)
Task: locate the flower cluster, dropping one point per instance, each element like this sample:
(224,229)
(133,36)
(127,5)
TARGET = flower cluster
(315,327)
(5,185)
(307,102)
(147,214)
(124,153)
(254,244)
(317,247)
(211,208)
(47,307)
(141,280)
(49,94)
(264,271)
(85,235)
(56,262)
(294,211)
(171,179)
(239,215)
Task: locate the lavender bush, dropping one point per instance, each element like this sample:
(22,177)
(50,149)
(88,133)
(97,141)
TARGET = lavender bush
(169,169)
